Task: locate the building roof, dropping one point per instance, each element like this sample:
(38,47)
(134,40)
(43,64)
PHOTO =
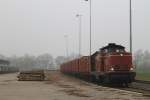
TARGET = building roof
(4,62)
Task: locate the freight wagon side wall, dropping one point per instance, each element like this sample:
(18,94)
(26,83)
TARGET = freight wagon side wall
(78,66)
(84,66)
(70,67)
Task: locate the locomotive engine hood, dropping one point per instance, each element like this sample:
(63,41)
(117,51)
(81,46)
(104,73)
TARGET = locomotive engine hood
(117,59)
(120,61)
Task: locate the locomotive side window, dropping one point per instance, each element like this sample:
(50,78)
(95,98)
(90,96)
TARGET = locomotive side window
(120,50)
(106,51)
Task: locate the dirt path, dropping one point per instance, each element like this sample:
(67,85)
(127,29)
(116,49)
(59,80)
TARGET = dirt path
(59,87)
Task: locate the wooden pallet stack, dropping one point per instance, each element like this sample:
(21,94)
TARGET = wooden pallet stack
(34,75)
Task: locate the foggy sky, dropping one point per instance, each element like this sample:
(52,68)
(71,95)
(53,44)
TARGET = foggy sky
(39,26)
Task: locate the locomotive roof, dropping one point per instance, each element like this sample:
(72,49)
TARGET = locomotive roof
(113,45)
(94,54)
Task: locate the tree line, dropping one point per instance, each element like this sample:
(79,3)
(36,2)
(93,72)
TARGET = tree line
(141,61)
(43,61)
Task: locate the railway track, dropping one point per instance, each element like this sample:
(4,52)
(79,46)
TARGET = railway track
(141,81)
(143,85)
(141,91)
(139,86)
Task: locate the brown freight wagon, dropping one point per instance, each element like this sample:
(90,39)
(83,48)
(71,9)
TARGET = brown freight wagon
(84,67)
(76,66)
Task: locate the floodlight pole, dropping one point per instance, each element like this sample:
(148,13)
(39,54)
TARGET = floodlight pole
(90,6)
(66,40)
(80,32)
(130,26)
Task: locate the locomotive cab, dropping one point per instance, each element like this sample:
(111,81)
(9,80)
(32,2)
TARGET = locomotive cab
(117,64)
(116,58)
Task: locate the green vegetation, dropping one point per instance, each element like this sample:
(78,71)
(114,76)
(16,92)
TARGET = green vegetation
(142,63)
(143,74)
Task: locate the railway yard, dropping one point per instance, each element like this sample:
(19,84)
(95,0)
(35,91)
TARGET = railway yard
(74,50)
(61,87)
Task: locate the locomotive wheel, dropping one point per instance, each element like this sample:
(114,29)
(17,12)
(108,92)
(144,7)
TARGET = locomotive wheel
(101,79)
(126,84)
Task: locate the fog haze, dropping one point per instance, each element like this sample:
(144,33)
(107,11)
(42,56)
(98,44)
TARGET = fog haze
(39,26)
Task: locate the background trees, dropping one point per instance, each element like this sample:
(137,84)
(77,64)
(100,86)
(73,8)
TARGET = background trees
(141,60)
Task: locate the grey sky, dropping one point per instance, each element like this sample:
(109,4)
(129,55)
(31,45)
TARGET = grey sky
(39,26)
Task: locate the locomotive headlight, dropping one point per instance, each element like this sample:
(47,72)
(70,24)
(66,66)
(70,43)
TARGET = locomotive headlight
(121,54)
(131,69)
(112,69)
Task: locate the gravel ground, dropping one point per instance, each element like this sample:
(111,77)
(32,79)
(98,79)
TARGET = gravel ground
(60,87)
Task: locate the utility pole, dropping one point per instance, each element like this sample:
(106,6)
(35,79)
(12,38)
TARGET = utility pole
(90,10)
(130,26)
(80,32)
(66,40)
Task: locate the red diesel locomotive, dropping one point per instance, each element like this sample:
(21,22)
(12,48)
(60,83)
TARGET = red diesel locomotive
(111,64)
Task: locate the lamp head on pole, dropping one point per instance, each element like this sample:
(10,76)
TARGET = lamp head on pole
(77,15)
